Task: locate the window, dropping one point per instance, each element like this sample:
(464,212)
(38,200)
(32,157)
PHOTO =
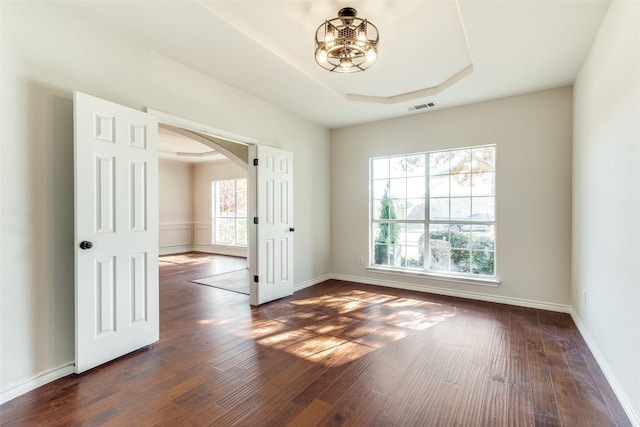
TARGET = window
(448,196)
(229,210)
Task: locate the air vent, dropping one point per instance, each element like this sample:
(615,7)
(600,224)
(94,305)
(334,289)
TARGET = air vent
(421,106)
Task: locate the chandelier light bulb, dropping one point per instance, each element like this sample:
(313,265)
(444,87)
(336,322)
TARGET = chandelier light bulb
(345,63)
(346,44)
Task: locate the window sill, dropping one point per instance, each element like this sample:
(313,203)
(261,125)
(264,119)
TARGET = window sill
(492,282)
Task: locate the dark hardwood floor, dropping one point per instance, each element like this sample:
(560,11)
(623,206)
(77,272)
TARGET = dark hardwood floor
(337,353)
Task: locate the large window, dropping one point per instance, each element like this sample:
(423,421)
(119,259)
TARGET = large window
(229,212)
(448,196)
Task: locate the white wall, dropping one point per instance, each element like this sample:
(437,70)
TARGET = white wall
(606,201)
(175,206)
(533,206)
(47,54)
(203,175)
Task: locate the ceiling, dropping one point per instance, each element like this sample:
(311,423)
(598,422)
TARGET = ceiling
(179,148)
(444,52)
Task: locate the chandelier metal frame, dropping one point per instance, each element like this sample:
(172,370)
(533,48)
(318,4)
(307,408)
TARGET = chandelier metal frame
(346,44)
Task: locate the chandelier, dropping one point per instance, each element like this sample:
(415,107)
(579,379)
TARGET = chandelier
(346,44)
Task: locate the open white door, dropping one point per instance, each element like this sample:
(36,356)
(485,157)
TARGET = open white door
(274,230)
(116,230)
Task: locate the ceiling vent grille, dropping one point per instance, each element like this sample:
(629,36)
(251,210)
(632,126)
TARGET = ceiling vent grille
(422,106)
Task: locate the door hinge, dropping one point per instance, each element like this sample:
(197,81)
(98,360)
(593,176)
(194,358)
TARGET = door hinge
(255,220)
(255,162)
(255,279)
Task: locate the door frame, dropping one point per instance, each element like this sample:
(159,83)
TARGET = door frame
(252,205)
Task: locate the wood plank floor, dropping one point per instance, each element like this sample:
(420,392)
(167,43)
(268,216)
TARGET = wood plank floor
(337,353)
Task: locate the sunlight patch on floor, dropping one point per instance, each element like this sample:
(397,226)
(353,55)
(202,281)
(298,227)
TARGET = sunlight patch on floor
(331,332)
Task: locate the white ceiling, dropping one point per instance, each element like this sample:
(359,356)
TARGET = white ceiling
(447,52)
(179,148)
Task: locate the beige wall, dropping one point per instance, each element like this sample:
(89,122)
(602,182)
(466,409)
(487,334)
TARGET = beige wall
(176,194)
(606,201)
(175,214)
(47,54)
(533,204)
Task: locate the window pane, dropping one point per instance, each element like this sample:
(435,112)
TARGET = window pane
(415,187)
(439,186)
(415,234)
(482,262)
(460,260)
(413,257)
(385,209)
(460,208)
(380,168)
(380,187)
(415,165)
(439,162)
(398,188)
(225,199)
(484,159)
(483,184)
(380,254)
(397,167)
(439,248)
(483,209)
(386,233)
(225,229)
(461,185)
(241,231)
(460,161)
(395,255)
(459,239)
(415,209)
(439,209)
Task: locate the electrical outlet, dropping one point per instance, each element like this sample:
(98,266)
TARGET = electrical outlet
(361,260)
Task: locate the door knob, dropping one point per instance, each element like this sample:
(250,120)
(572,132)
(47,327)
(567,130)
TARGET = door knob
(85,244)
(292,229)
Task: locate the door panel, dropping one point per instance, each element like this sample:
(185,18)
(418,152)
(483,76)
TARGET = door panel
(274,235)
(116,197)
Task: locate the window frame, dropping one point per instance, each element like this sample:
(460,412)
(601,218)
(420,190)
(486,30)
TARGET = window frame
(235,217)
(426,222)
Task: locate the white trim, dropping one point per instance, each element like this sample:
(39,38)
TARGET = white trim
(488,281)
(606,370)
(561,308)
(312,282)
(37,381)
(169,119)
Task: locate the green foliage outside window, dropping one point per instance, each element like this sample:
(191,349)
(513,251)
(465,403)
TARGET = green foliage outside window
(388,235)
(476,256)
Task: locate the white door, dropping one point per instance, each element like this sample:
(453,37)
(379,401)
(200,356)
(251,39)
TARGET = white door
(274,229)
(116,230)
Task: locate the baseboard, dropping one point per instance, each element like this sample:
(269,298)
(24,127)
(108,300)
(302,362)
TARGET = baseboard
(309,283)
(622,398)
(169,250)
(222,250)
(460,294)
(37,381)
